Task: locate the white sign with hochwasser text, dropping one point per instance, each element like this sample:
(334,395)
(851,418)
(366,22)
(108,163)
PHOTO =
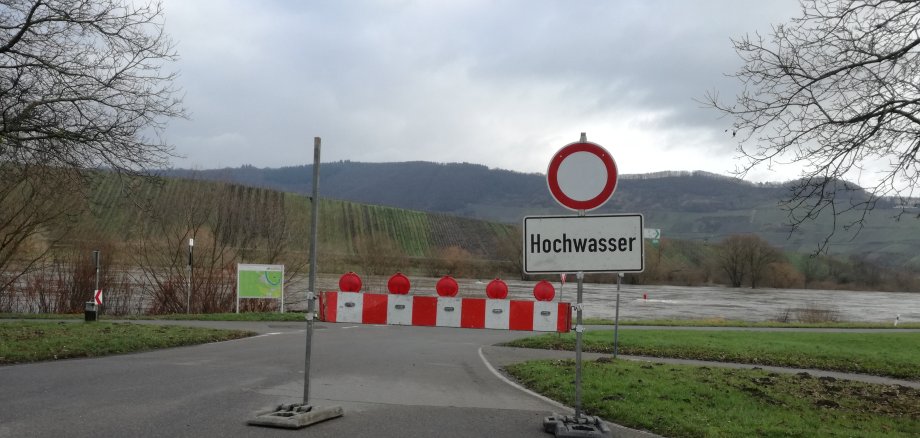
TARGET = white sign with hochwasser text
(597,243)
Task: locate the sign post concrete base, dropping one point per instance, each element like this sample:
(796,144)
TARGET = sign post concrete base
(585,426)
(294,416)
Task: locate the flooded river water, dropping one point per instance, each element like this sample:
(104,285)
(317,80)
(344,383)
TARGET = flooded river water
(679,302)
(652,302)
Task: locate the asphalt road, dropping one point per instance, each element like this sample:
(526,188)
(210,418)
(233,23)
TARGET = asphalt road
(392,382)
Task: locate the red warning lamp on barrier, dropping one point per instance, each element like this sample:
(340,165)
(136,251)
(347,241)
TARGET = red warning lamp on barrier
(399,284)
(350,282)
(497,289)
(447,286)
(544,291)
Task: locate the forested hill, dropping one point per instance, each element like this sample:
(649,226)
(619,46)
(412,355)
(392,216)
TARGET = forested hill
(477,191)
(460,189)
(684,205)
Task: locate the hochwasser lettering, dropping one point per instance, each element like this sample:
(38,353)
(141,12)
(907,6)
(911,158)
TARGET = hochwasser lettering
(566,245)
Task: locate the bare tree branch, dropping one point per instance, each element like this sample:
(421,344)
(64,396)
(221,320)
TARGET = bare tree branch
(835,91)
(84,85)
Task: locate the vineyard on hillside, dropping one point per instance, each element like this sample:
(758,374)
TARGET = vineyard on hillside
(143,227)
(123,213)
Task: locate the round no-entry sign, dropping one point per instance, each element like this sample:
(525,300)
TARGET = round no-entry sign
(582,176)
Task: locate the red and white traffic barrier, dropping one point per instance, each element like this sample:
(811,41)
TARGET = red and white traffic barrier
(442,311)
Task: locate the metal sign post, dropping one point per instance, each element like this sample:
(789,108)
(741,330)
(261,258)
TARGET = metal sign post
(616,320)
(578,330)
(96,260)
(188,290)
(311,293)
(298,415)
(582,176)
(96,265)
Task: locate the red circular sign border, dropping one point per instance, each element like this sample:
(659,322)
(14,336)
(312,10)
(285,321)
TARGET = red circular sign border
(561,155)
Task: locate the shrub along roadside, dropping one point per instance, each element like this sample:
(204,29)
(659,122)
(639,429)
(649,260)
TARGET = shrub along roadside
(31,341)
(685,401)
(884,354)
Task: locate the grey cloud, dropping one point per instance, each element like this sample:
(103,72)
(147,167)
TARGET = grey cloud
(444,81)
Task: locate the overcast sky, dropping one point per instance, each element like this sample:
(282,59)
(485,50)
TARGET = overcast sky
(499,83)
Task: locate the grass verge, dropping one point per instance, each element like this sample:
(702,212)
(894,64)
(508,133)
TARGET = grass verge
(735,323)
(297,316)
(31,341)
(248,316)
(883,354)
(685,401)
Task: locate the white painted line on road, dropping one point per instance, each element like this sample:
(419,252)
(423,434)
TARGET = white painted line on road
(565,408)
(351,327)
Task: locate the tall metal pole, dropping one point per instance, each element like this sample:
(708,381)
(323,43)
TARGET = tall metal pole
(311,295)
(616,321)
(96,257)
(578,329)
(188,290)
(96,264)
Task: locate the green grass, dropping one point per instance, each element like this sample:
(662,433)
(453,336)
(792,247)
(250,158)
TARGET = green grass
(40,316)
(883,354)
(683,401)
(247,316)
(736,323)
(295,316)
(31,341)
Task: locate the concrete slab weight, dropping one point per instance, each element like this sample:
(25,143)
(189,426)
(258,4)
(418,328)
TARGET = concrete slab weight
(294,416)
(585,426)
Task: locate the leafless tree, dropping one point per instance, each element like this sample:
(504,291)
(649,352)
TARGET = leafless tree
(83,84)
(746,256)
(732,259)
(208,213)
(35,213)
(760,254)
(835,91)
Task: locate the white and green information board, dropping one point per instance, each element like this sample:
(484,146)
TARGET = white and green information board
(259,281)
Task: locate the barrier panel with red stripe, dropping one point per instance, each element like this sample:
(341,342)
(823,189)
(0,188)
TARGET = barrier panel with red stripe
(479,313)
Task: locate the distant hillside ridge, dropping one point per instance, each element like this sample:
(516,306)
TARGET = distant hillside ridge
(692,205)
(474,190)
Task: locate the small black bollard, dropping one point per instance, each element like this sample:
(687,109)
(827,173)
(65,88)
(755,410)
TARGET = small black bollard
(89,311)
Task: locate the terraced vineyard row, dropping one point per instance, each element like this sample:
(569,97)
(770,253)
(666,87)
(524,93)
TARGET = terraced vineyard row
(121,214)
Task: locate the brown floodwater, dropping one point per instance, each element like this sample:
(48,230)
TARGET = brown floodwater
(703,302)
